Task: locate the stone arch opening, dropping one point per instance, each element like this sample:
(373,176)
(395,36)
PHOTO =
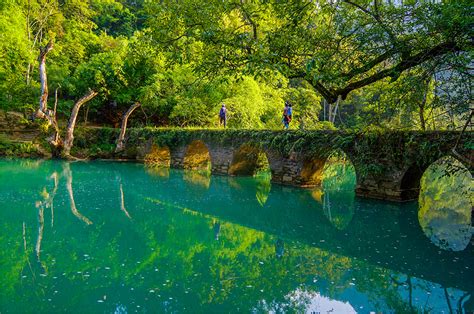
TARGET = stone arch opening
(250,160)
(335,172)
(410,183)
(197,157)
(339,173)
(312,172)
(158,161)
(335,180)
(445,204)
(159,156)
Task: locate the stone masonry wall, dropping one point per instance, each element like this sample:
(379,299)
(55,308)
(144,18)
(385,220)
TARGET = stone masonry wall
(296,158)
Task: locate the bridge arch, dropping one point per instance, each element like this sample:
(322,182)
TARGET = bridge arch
(197,156)
(249,159)
(314,170)
(158,161)
(445,204)
(411,176)
(410,181)
(158,156)
(336,191)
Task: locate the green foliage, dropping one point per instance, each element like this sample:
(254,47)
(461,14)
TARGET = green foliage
(113,17)
(182,59)
(306,105)
(245,105)
(15,55)
(10,148)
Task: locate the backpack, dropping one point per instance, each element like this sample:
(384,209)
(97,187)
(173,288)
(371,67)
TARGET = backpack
(222,112)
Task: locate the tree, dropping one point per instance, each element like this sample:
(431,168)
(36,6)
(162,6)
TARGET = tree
(121,139)
(337,46)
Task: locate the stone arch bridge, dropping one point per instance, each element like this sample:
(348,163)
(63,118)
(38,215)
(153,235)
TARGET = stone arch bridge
(388,165)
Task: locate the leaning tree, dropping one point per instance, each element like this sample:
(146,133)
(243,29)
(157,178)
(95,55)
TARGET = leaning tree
(59,148)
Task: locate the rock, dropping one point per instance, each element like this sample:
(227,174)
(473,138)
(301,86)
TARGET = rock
(287,178)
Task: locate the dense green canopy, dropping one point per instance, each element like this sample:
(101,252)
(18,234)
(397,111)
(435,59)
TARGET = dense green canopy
(355,64)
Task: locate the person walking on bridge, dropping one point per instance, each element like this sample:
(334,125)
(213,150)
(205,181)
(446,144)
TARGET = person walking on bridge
(287,115)
(223,116)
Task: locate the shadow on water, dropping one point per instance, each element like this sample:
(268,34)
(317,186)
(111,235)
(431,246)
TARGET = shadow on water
(237,244)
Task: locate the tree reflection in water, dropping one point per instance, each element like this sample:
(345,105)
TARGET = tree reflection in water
(122,198)
(158,171)
(279,248)
(445,204)
(200,178)
(47,201)
(270,258)
(217,229)
(264,186)
(68,175)
(338,190)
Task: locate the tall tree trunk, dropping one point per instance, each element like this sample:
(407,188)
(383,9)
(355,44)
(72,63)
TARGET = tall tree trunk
(423,105)
(28,32)
(422,116)
(324,109)
(86,115)
(123,129)
(43,104)
(55,139)
(43,112)
(332,116)
(68,141)
(329,112)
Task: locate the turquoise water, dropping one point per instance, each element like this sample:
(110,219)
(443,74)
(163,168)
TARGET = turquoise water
(106,237)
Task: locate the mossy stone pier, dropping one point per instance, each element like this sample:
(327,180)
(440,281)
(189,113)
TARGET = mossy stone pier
(389,165)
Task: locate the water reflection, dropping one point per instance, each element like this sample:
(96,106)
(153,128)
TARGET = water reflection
(68,175)
(314,302)
(46,201)
(279,248)
(199,178)
(40,234)
(446,203)
(217,230)
(122,198)
(55,177)
(264,186)
(218,249)
(158,171)
(337,194)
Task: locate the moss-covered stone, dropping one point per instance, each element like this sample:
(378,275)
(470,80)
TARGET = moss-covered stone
(158,157)
(197,156)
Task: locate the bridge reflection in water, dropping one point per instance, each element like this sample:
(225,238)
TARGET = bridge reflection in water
(232,243)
